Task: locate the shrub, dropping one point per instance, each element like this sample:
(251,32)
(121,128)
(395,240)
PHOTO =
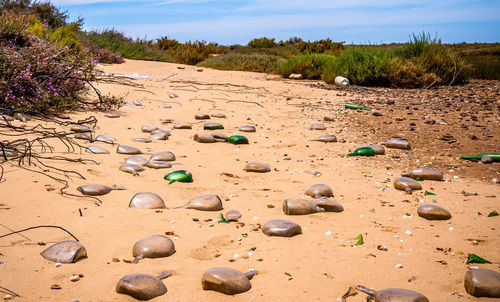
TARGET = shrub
(311,66)
(116,42)
(38,77)
(321,46)
(65,36)
(164,43)
(193,52)
(262,43)
(44,11)
(361,65)
(244,62)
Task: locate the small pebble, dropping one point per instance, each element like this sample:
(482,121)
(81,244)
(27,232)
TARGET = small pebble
(58,264)
(74,278)
(55,286)
(398,266)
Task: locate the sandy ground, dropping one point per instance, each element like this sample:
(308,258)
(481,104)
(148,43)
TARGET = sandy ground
(318,265)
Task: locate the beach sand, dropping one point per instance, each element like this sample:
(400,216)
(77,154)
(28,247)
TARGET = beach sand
(318,265)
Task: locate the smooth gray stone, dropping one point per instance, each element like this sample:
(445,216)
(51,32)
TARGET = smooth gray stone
(131,168)
(201,116)
(227,280)
(296,76)
(173,95)
(65,252)
(407,184)
(155,246)
(128,105)
(233,215)
(247,129)
(329,205)
(156,164)
(377,112)
(163,156)
(257,167)
(161,131)
(137,102)
(210,202)
(433,212)
(204,138)
(137,160)
(393,295)
(159,136)
(220,136)
(142,140)
(218,115)
(482,283)
(141,286)
(165,106)
(317,126)
(96,150)
(83,136)
(486,159)
(300,206)
(319,190)
(80,129)
(148,128)
(328,138)
(123,149)
(147,200)
(281,228)
(105,139)
(182,126)
(112,115)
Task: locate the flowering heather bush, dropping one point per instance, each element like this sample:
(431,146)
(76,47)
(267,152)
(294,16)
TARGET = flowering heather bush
(40,78)
(102,55)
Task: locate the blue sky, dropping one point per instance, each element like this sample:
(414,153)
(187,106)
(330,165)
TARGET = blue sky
(238,21)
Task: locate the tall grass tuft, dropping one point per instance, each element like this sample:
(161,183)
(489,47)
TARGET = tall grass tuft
(245,62)
(362,66)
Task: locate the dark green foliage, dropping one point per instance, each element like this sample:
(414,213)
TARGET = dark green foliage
(321,46)
(164,43)
(43,10)
(263,42)
(311,66)
(246,62)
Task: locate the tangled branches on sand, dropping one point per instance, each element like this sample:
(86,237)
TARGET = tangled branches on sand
(28,150)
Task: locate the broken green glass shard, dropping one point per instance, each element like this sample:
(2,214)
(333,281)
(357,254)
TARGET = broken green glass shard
(493,213)
(179,175)
(428,193)
(359,238)
(222,219)
(473,258)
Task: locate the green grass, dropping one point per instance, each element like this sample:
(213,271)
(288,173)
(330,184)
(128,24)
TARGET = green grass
(245,62)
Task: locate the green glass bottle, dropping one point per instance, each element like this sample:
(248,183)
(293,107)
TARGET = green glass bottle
(354,106)
(363,151)
(238,140)
(494,156)
(179,175)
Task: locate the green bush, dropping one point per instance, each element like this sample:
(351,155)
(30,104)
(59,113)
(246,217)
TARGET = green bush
(116,42)
(311,66)
(193,52)
(321,46)
(262,43)
(65,36)
(244,62)
(361,65)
